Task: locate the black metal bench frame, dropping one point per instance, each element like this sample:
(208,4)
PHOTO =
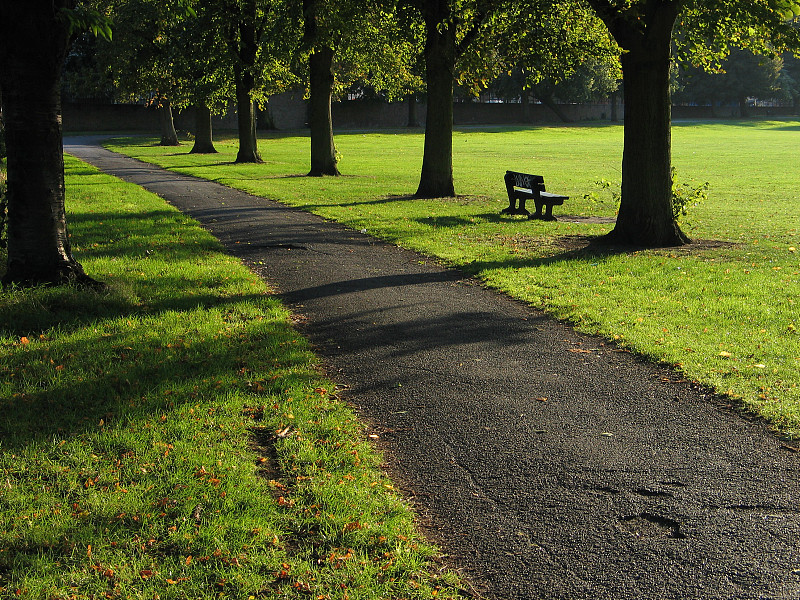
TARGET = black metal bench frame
(522,187)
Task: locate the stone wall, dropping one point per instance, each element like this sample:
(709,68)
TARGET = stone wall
(109,117)
(288,112)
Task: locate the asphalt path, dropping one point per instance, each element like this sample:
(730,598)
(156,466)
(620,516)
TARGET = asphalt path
(546,464)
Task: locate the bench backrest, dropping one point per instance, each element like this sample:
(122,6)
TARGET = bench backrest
(524,181)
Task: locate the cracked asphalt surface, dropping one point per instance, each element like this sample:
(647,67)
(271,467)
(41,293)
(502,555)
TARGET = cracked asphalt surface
(545,463)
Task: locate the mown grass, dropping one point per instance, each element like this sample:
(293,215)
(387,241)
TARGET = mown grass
(723,312)
(173,438)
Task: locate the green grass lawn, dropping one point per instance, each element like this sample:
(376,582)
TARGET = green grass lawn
(172,438)
(723,311)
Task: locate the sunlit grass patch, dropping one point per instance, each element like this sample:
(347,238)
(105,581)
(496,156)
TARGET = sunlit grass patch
(173,438)
(734,292)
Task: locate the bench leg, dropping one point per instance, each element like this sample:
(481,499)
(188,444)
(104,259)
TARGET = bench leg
(538,213)
(512,207)
(547,216)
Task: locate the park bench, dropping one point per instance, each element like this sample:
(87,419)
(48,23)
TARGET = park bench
(522,186)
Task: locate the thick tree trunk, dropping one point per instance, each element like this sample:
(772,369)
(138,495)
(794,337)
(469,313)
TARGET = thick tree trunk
(413,113)
(246,120)
(169,137)
(245,47)
(2,129)
(203,140)
(645,214)
(436,180)
(323,150)
(614,100)
(35,41)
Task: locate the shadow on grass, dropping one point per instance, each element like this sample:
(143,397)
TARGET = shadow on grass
(444,221)
(119,371)
(589,248)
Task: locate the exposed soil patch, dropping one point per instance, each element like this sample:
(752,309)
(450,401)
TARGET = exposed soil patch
(589,243)
(585,219)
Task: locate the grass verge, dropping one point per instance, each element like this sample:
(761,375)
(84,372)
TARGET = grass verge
(723,311)
(172,438)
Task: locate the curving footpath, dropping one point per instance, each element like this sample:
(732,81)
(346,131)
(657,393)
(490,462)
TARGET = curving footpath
(545,463)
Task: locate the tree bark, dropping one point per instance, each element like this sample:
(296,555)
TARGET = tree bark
(203,139)
(645,214)
(323,149)
(36,42)
(246,51)
(436,180)
(613,99)
(2,129)
(246,120)
(169,137)
(413,113)
(744,110)
(525,102)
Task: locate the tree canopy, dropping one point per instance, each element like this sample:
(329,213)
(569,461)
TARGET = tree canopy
(203,52)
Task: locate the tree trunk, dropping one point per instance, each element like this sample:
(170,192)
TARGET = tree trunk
(744,110)
(613,98)
(323,150)
(413,113)
(203,140)
(2,129)
(35,41)
(246,119)
(645,214)
(436,180)
(169,136)
(266,120)
(525,101)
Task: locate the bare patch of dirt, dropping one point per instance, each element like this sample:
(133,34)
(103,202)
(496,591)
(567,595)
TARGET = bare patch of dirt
(585,219)
(575,243)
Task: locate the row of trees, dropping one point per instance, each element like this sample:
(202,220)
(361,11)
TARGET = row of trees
(742,78)
(203,52)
